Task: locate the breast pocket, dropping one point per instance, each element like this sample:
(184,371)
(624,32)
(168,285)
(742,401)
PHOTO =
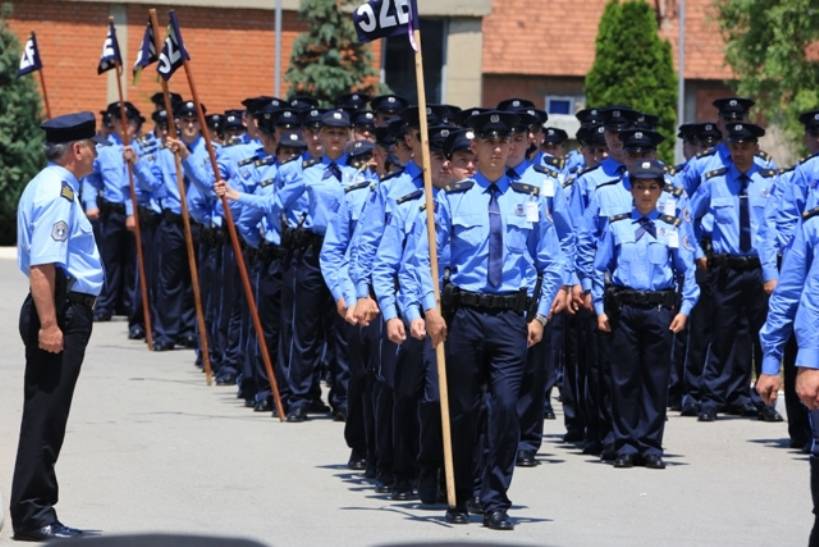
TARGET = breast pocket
(657,254)
(469,228)
(724,209)
(518,230)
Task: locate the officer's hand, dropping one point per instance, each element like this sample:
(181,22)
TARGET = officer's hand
(349,316)
(50,339)
(130,223)
(129,154)
(436,326)
(603,323)
(341,307)
(576,299)
(93,214)
(418,329)
(535,334)
(769,287)
(587,301)
(807,387)
(559,303)
(395,331)
(177,147)
(768,385)
(702,263)
(678,323)
(221,188)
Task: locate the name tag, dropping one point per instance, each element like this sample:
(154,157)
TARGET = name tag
(670,207)
(670,236)
(548,188)
(532,211)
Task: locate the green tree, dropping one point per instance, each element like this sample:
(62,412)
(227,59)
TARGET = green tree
(632,66)
(21,139)
(768,45)
(328,60)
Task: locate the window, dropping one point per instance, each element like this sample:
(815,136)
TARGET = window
(559,105)
(399,62)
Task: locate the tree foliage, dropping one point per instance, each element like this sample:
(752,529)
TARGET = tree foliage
(773,48)
(21,139)
(328,60)
(632,66)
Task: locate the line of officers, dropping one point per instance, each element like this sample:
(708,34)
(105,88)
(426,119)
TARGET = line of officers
(631,285)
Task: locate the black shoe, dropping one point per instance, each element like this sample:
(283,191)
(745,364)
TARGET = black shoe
(188,341)
(317,407)
(339,416)
(769,414)
(163,346)
(707,416)
(136,332)
(593,448)
(458,515)
(797,443)
(402,491)
(526,458)
(357,462)
(498,520)
(370,473)
(573,437)
(101,316)
(607,454)
(653,461)
(428,486)
(56,530)
(624,461)
(474,505)
(382,486)
(250,402)
(296,416)
(689,411)
(263,406)
(226,379)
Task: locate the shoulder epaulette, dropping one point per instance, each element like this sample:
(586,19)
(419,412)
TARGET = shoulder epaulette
(247,161)
(607,183)
(512,174)
(768,173)
(267,160)
(809,214)
(803,160)
(291,160)
(621,216)
(673,190)
(544,170)
(764,155)
(310,163)
(524,188)
(705,153)
(266,182)
(461,186)
(554,161)
(357,186)
(394,174)
(715,173)
(787,169)
(66,191)
(412,195)
(569,181)
(672,170)
(668,219)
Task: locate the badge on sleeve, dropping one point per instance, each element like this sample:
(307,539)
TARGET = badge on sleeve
(532,212)
(59,232)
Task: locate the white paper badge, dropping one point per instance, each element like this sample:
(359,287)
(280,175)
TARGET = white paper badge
(548,188)
(672,239)
(531,212)
(670,207)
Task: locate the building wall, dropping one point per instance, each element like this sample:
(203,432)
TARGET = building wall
(462,75)
(497,87)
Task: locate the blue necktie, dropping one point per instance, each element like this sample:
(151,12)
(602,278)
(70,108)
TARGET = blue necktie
(744,215)
(332,171)
(495,238)
(646,226)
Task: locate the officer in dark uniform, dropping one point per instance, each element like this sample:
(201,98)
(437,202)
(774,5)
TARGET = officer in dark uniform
(58,254)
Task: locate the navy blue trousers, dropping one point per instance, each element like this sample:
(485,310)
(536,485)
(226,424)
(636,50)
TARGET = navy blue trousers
(574,381)
(117,253)
(172,316)
(268,300)
(700,330)
(359,428)
(149,226)
(485,347)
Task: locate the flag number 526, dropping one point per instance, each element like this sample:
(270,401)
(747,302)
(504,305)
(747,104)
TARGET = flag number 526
(368,23)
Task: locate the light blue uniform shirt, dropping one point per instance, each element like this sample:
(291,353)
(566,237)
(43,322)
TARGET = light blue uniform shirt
(254,223)
(53,229)
(794,305)
(648,264)
(715,158)
(796,187)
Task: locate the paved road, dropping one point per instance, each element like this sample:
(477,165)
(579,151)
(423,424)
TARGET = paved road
(151,448)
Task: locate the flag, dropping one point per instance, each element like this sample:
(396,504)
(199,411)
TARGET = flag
(110,57)
(146,55)
(384,18)
(30,60)
(173,50)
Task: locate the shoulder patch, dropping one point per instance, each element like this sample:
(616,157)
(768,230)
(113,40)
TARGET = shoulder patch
(768,173)
(607,183)
(412,195)
(524,188)
(266,182)
(715,173)
(810,214)
(764,155)
(357,186)
(553,161)
(247,161)
(705,153)
(310,163)
(803,160)
(461,186)
(394,174)
(668,219)
(66,191)
(621,216)
(59,232)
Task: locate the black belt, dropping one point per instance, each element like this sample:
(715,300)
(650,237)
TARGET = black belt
(455,298)
(736,262)
(148,217)
(81,298)
(110,206)
(170,216)
(299,238)
(642,299)
(269,251)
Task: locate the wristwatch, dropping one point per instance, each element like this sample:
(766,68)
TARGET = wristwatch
(542,319)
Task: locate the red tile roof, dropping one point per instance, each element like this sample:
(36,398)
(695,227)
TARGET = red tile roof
(556,38)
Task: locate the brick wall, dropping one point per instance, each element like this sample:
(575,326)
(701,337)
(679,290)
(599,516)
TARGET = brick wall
(231,50)
(497,87)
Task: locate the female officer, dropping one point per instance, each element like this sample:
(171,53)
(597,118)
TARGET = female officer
(645,253)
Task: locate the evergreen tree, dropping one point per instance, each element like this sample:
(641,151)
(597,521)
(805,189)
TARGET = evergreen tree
(632,66)
(21,139)
(768,45)
(328,60)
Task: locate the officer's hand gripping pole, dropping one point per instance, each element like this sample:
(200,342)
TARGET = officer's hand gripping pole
(446,431)
(186,220)
(237,250)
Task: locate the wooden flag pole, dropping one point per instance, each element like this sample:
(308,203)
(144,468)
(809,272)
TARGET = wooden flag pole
(143,283)
(446,431)
(237,250)
(186,219)
(45,94)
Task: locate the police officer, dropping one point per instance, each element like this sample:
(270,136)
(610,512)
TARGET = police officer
(58,254)
(639,310)
(736,196)
(498,242)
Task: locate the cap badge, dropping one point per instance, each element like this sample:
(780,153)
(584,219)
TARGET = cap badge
(646,165)
(470,135)
(732,102)
(314,113)
(445,133)
(515,103)
(737,127)
(494,118)
(638,135)
(336,115)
